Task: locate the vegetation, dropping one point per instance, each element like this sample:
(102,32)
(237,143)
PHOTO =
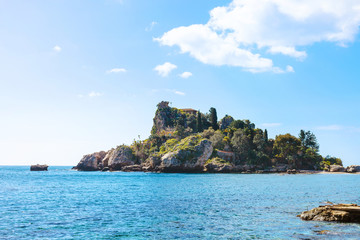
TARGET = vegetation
(176,130)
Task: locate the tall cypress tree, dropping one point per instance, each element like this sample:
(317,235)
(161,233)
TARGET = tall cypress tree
(266,136)
(213,119)
(199,122)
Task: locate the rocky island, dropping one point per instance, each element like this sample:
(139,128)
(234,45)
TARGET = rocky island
(186,140)
(39,167)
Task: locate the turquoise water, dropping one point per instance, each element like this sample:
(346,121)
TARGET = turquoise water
(67,204)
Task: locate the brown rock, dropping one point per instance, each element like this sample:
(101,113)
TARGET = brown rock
(337,213)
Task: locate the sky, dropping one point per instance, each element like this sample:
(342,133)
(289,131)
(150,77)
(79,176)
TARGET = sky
(77,77)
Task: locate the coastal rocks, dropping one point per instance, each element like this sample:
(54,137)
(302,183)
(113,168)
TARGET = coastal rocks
(353,169)
(189,155)
(278,168)
(337,168)
(118,158)
(91,162)
(38,167)
(291,171)
(218,165)
(337,213)
(132,168)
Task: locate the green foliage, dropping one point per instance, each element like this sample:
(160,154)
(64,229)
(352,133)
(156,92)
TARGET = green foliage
(286,148)
(241,144)
(237,124)
(266,136)
(308,140)
(199,122)
(259,140)
(208,133)
(333,160)
(213,119)
(217,140)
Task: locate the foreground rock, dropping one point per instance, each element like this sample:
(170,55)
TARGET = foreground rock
(118,158)
(91,162)
(39,167)
(336,213)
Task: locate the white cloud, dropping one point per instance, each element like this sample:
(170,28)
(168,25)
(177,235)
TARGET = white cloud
(237,34)
(95,94)
(117,70)
(57,48)
(290,51)
(165,69)
(271,124)
(179,93)
(186,74)
(150,28)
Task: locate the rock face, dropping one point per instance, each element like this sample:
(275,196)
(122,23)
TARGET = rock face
(337,213)
(353,169)
(91,162)
(118,158)
(225,122)
(38,167)
(218,165)
(337,168)
(188,156)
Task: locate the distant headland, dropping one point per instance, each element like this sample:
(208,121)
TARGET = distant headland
(186,140)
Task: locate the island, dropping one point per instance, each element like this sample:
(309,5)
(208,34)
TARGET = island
(188,141)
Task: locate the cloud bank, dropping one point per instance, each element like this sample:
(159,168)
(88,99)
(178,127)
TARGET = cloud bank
(240,33)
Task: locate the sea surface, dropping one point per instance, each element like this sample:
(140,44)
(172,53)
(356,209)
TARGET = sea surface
(66,204)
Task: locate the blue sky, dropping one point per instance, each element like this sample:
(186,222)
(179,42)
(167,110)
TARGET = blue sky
(83,76)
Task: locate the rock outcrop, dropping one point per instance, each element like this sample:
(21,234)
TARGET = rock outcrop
(337,168)
(91,162)
(189,155)
(353,169)
(118,158)
(218,165)
(337,213)
(39,167)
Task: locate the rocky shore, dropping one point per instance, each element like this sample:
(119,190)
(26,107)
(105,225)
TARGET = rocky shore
(197,160)
(333,213)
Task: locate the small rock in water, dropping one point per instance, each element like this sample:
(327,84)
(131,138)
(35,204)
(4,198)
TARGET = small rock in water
(336,213)
(38,167)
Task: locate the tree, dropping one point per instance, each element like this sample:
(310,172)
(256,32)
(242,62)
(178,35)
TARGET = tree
(217,140)
(199,124)
(237,124)
(213,119)
(241,144)
(266,136)
(259,140)
(308,140)
(286,147)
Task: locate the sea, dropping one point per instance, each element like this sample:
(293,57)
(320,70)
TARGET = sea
(66,204)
